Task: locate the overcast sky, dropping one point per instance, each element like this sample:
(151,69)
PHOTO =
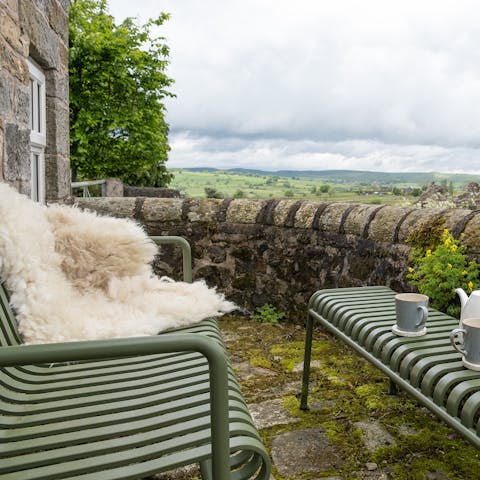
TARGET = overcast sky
(315,84)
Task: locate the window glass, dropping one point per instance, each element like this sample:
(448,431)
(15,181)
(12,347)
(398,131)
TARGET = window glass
(38,138)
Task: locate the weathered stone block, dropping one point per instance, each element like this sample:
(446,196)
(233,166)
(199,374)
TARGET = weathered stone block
(204,210)
(113,188)
(358,219)
(13,5)
(57,84)
(472,235)
(6,96)
(63,53)
(44,43)
(51,176)
(305,214)
(12,62)
(65,4)
(10,30)
(282,210)
(1,152)
(64,177)
(58,18)
(21,105)
(152,192)
(116,207)
(331,218)
(57,177)
(244,210)
(414,221)
(383,226)
(455,219)
(57,127)
(162,209)
(17,153)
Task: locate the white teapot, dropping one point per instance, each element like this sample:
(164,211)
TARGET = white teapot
(470,304)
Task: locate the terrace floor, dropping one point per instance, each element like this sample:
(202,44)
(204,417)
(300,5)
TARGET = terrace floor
(354,429)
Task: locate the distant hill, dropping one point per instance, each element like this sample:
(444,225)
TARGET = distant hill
(355,176)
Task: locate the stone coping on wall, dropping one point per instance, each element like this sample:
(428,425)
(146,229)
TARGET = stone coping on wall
(380,223)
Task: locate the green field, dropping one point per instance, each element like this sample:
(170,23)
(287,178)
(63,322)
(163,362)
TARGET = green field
(306,185)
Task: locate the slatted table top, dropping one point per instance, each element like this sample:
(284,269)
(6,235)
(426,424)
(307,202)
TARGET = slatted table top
(429,364)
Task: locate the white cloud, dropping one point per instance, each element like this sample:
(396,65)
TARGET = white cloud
(277,154)
(376,84)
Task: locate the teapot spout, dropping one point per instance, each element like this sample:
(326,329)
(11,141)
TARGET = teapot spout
(462,295)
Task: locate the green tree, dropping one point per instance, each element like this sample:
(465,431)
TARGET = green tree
(211,192)
(117,89)
(450,188)
(239,194)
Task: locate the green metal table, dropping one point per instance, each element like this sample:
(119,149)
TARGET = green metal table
(426,367)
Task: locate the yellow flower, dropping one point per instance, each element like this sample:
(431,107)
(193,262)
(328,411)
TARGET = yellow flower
(453,248)
(411,270)
(428,253)
(445,231)
(470,286)
(447,242)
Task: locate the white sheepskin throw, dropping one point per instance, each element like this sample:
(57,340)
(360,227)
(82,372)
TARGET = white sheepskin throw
(74,275)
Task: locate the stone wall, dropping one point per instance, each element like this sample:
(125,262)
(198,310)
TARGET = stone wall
(37,29)
(281,251)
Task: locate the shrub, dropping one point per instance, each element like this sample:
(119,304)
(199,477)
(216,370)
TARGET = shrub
(438,270)
(267,314)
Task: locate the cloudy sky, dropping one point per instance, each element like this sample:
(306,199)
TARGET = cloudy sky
(315,84)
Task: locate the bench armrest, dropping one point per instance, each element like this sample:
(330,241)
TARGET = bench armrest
(127,347)
(186,253)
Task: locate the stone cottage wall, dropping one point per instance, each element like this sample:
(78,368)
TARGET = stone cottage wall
(37,29)
(281,251)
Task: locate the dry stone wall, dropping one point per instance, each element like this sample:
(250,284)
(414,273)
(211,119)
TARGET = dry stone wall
(281,251)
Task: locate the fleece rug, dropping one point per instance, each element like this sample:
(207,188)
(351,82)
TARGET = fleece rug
(74,275)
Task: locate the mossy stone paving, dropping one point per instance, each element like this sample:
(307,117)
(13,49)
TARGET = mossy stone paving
(374,435)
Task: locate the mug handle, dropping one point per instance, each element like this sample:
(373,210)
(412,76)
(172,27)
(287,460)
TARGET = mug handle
(453,334)
(424,314)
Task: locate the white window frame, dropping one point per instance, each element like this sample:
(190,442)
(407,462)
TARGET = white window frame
(38,136)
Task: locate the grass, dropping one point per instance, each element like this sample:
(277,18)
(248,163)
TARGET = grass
(238,185)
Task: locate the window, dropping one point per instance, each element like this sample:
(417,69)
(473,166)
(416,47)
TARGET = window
(38,138)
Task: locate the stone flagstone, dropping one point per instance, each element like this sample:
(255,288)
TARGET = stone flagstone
(270,413)
(300,452)
(374,435)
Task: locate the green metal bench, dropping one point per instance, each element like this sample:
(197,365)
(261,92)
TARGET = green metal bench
(123,408)
(426,367)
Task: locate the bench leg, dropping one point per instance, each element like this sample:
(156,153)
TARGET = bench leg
(393,388)
(306,363)
(206,470)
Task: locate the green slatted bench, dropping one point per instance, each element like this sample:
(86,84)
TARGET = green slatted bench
(123,408)
(426,367)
